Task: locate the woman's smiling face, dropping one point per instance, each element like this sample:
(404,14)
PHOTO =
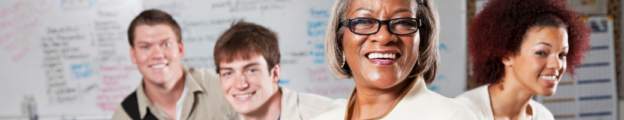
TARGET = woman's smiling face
(383,59)
(541,61)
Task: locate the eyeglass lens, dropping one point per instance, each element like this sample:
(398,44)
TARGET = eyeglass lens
(371,26)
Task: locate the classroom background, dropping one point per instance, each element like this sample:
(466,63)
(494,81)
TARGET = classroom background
(70,58)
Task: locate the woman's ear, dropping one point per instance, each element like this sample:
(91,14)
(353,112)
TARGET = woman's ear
(508,59)
(339,41)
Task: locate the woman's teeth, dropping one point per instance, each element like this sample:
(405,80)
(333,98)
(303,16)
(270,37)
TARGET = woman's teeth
(550,78)
(244,95)
(382,56)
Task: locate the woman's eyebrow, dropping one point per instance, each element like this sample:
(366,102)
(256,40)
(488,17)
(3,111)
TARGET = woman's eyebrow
(363,8)
(543,43)
(402,10)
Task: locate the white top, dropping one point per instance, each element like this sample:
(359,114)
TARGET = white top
(179,103)
(478,100)
(419,103)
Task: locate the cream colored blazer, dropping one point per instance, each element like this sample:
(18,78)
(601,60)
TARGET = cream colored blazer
(418,104)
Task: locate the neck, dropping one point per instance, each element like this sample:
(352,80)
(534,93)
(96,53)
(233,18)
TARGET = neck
(271,110)
(165,95)
(512,102)
(373,102)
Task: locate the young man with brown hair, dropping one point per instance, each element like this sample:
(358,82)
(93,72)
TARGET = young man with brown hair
(247,57)
(169,90)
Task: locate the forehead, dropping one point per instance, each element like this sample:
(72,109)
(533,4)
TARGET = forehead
(239,61)
(153,32)
(552,35)
(377,6)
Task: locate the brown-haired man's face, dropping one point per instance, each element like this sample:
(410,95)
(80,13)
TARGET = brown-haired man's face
(157,54)
(248,84)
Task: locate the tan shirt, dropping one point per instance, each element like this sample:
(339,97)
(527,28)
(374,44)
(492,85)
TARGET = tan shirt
(204,100)
(415,103)
(478,100)
(303,106)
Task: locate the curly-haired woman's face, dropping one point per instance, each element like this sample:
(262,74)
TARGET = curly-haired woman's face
(541,62)
(383,59)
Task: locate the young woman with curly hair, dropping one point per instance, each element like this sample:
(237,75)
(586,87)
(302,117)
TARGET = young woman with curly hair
(519,49)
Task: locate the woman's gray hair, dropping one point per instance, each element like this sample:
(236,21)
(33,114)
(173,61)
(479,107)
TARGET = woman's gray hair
(429,55)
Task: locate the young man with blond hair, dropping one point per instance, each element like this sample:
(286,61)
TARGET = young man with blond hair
(169,90)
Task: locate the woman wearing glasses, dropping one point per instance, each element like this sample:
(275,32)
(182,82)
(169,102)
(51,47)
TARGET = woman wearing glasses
(390,49)
(519,49)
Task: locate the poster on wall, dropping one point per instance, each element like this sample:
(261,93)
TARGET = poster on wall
(593,7)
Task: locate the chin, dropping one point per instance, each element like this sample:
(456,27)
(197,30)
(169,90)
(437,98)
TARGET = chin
(160,79)
(243,109)
(548,91)
(240,107)
(157,81)
(156,78)
(383,83)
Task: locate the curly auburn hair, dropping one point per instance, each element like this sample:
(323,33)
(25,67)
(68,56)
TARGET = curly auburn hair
(502,26)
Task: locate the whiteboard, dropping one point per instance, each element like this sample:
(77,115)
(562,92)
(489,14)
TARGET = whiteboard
(73,55)
(451,79)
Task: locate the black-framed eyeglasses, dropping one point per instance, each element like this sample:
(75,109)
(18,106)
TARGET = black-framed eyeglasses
(398,26)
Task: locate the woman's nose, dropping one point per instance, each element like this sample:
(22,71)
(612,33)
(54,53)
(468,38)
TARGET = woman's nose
(556,63)
(383,36)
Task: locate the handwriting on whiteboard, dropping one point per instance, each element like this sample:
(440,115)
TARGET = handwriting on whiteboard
(250,5)
(321,77)
(86,4)
(329,90)
(15,22)
(316,26)
(113,92)
(114,67)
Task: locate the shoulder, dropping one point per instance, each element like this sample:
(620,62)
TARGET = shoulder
(320,103)
(430,105)
(473,95)
(477,100)
(205,77)
(335,114)
(311,105)
(463,113)
(132,103)
(212,98)
(201,73)
(540,112)
(429,98)
(120,114)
